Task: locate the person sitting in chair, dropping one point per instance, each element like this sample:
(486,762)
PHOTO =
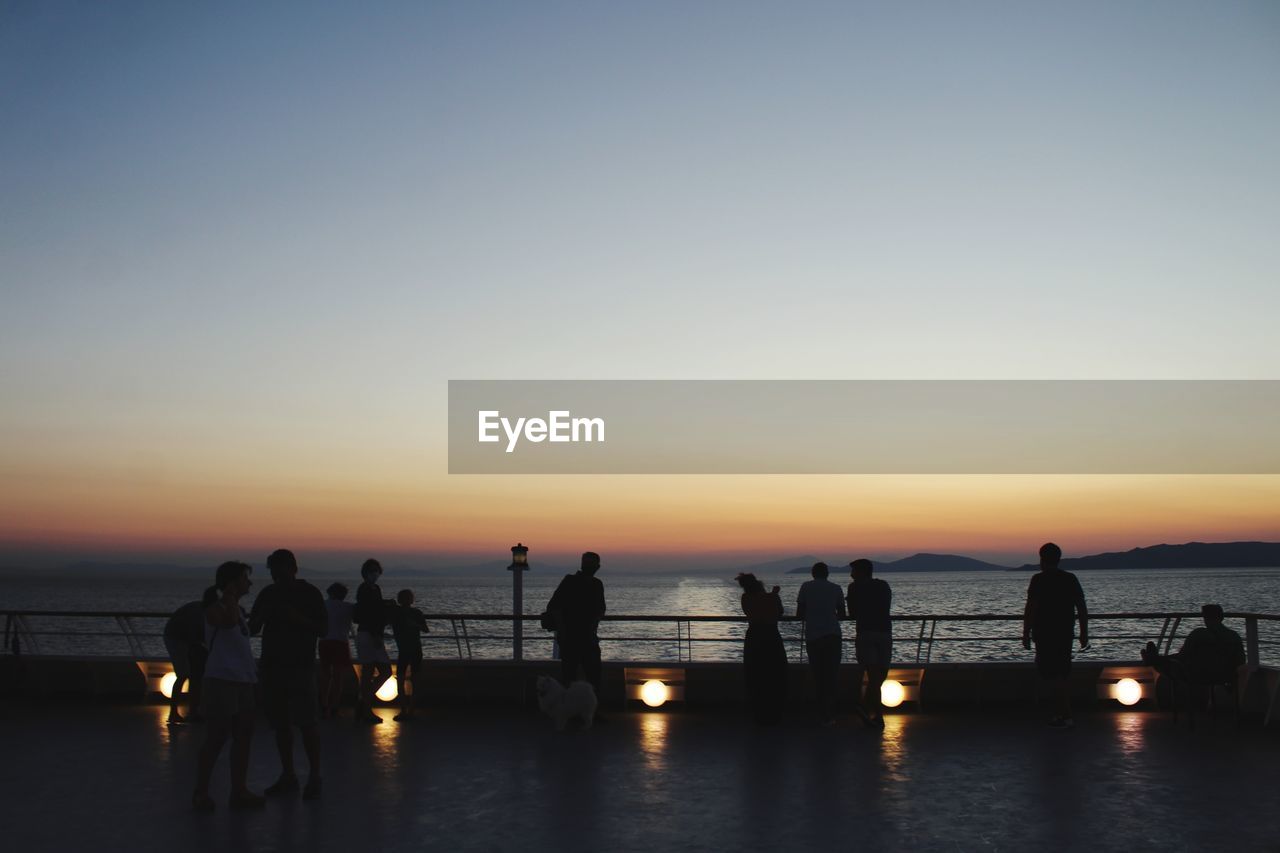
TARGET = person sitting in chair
(1210,655)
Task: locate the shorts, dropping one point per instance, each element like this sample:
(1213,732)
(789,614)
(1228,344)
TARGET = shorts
(290,695)
(335,653)
(197,655)
(1053,657)
(371,649)
(874,648)
(179,654)
(220,698)
(411,660)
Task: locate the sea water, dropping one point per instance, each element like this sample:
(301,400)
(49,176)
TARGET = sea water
(1253,590)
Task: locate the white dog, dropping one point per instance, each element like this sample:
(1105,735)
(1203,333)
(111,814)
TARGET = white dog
(563,704)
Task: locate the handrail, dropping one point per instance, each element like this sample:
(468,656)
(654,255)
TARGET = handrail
(19,632)
(615,617)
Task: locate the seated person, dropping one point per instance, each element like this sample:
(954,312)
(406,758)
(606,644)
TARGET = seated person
(1210,655)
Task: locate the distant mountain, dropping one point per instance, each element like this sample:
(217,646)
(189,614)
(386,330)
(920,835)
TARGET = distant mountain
(787,565)
(135,570)
(147,570)
(489,567)
(938,563)
(1192,555)
(917,563)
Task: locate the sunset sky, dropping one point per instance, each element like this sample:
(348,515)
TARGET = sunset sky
(244,248)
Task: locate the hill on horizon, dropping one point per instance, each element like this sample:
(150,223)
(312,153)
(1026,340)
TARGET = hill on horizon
(1190,555)
(918,563)
(1197,555)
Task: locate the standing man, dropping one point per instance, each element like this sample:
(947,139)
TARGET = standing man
(869,602)
(578,606)
(291,615)
(1054,600)
(821,605)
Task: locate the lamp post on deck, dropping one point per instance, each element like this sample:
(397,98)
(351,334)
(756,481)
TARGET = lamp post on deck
(519,565)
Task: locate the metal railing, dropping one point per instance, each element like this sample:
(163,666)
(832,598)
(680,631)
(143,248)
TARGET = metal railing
(35,632)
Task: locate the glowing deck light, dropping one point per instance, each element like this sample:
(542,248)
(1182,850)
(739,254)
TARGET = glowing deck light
(167,682)
(387,691)
(1128,691)
(654,693)
(892,693)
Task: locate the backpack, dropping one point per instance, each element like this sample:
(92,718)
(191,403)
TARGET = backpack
(552,615)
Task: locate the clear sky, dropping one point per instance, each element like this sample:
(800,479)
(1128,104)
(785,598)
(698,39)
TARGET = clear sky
(243,248)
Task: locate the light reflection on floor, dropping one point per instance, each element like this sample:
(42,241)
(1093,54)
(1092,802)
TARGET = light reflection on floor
(1130,731)
(653,740)
(893,747)
(385,741)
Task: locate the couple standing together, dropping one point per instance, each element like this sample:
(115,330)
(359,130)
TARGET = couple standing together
(822,605)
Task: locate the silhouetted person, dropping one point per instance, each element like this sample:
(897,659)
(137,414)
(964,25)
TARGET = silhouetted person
(184,641)
(578,606)
(372,614)
(335,649)
(821,605)
(1054,602)
(291,615)
(764,657)
(227,701)
(869,602)
(1209,655)
(408,624)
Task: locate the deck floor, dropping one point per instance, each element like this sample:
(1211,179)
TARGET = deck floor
(115,778)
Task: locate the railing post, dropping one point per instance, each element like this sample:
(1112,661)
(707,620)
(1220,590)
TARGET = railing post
(519,565)
(1251,640)
(456,638)
(20,628)
(517,614)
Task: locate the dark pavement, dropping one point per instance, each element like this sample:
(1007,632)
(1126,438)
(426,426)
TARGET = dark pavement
(115,778)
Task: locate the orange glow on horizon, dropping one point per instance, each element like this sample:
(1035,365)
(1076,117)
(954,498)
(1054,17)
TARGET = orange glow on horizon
(656,515)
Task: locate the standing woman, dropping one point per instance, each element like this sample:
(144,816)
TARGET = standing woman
(371,614)
(763,655)
(229,678)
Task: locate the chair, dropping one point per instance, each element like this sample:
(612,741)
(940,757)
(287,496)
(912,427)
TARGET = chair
(1193,681)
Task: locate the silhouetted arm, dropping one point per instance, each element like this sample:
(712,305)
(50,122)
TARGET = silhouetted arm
(256,613)
(800,608)
(1082,611)
(1028,615)
(317,617)
(1237,652)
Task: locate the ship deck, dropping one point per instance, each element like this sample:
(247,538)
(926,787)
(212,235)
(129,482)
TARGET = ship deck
(114,777)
